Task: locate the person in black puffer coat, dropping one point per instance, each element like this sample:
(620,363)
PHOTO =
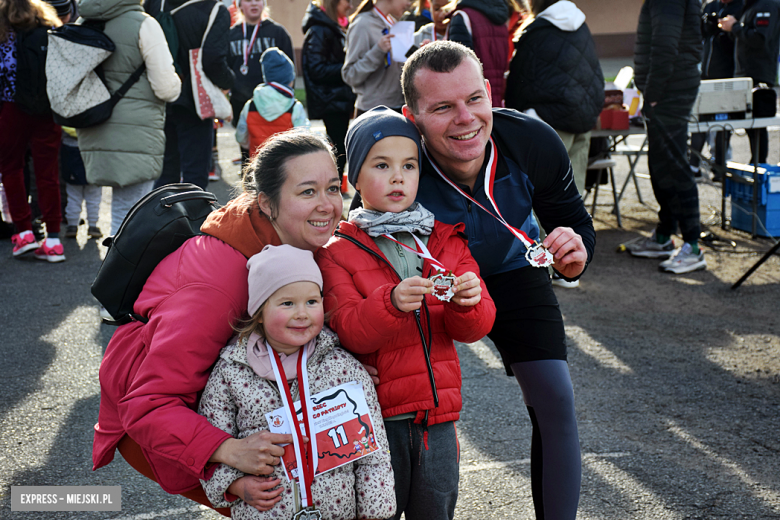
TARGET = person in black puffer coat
(555,73)
(188,139)
(717,62)
(327,96)
(666,57)
(757,37)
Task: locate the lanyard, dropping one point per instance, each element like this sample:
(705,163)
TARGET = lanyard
(422,251)
(248,50)
(389,20)
(490,175)
(287,91)
(304,454)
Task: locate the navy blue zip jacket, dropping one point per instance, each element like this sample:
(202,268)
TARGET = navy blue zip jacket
(534,172)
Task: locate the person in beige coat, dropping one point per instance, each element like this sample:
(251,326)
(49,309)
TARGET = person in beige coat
(126,151)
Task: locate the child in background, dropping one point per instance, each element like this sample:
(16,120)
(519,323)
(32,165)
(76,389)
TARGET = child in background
(285,305)
(437,30)
(273,107)
(250,35)
(377,288)
(368,68)
(77,189)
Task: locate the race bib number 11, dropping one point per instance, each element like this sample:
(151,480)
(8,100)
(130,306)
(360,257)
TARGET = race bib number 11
(342,426)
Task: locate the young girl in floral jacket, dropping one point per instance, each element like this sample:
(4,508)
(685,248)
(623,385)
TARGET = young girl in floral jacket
(285,303)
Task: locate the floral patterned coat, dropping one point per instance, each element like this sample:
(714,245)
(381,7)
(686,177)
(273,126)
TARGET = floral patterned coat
(236,400)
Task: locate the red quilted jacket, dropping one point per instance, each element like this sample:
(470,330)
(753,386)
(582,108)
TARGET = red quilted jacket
(357,287)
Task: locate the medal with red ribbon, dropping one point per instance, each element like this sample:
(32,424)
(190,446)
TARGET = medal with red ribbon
(536,254)
(304,453)
(244,69)
(443,281)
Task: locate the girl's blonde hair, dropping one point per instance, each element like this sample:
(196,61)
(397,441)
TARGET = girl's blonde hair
(23,15)
(246,328)
(364,7)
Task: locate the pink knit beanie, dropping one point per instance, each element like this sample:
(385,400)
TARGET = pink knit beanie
(277,266)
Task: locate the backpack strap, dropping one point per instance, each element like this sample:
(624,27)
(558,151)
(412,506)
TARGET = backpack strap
(182,6)
(135,76)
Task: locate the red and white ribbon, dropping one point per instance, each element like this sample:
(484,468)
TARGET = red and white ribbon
(248,48)
(422,251)
(304,453)
(284,89)
(490,176)
(389,20)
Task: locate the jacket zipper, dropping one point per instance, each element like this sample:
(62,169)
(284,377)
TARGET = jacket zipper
(426,350)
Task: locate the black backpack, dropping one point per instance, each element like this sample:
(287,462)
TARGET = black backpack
(30,95)
(156,226)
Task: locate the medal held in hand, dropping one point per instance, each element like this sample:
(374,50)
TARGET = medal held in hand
(538,256)
(443,286)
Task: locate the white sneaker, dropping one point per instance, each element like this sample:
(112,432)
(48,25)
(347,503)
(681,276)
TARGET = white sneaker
(684,261)
(560,282)
(650,248)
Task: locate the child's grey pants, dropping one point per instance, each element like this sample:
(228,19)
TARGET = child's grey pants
(426,478)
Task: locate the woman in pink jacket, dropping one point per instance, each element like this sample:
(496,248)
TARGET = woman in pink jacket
(152,374)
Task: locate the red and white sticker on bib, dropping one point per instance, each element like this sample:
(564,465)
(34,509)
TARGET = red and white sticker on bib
(342,426)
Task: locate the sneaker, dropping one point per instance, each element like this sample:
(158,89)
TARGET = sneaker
(684,261)
(50,254)
(71,231)
(24,242)
(560,282)
(238,160)
(94,232)
(650,248)
(213,175)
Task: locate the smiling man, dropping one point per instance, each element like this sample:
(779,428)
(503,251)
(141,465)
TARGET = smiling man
(489,168)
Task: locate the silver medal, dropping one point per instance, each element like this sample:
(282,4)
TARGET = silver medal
(538,256)
(244,69)
(442,286)
(309,513)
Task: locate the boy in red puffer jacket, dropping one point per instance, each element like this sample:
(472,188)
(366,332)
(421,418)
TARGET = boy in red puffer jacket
(400,287)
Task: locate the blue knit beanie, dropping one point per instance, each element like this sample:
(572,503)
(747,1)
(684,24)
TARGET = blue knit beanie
(277,67)
(373,126)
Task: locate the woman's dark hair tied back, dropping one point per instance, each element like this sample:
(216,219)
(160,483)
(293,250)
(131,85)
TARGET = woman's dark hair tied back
(266,173)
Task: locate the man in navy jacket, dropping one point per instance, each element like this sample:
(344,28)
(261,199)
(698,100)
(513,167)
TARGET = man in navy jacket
(480,164)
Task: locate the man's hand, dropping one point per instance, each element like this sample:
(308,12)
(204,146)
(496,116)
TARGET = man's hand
(568,251)
(258,492)
(467,290)
(408,295)
(727,23)
(254,455)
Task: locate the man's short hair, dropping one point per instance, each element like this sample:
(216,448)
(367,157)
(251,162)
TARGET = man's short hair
(439,56)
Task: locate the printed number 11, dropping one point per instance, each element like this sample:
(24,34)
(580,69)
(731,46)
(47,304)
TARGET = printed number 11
(335,433)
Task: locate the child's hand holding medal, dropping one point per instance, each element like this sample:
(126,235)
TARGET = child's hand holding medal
(408,295)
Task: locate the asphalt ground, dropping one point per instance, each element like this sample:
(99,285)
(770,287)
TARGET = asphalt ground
(677,382)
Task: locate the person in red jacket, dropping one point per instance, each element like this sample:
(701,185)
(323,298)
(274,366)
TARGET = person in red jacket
(379,293)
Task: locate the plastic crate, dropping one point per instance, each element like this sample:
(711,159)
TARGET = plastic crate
(768,203)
